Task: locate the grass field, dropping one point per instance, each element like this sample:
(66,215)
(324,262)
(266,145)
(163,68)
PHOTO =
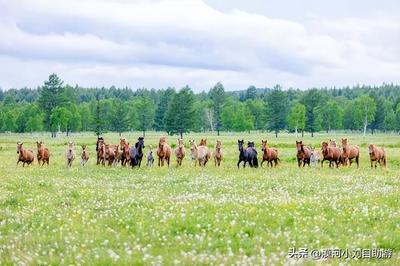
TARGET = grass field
(100,215)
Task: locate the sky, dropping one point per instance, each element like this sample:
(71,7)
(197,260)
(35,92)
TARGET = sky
(162,43)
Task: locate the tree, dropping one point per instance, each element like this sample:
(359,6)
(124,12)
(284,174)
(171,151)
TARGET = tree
(398,117)
(180,113)
(217,95)
(329,116)
(277,103)
(311,99)
(389,123)
(60,118)
(257,109)
(297,118)
(162,106)
(365,111)
(51,96)
(145,110)
(349,120)
(251,93)
(378,122)
(237,117)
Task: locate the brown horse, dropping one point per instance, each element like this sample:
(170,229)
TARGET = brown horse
(377,155)
(218,153)
(269,154)
(303,153)
(25,156)
(119,152)
(349,153)
(101,151)
(193,152)
(163,152)
(203,154)
(180,152)
(43,154)
(84,155)
(126,156)
(330,153)
(110,151)
(70,154)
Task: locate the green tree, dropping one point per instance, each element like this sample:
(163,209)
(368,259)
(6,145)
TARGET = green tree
(86,117)
(180,113)
(349,120)
(257,109)
(329,116)
(311,99)
(251,93)
(35,123)
(51,96)
(60,119)
(217,96)
(398,117)
(297,118)
(162,107)
(389,123)
(277,103)
(145,110)
(365,111)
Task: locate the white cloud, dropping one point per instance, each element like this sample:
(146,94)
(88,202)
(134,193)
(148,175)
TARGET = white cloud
(160,43)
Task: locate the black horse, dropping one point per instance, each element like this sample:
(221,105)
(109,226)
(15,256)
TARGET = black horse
(136,152)
(248,155)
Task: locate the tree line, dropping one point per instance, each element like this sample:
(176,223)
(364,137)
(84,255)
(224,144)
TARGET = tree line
(56,107)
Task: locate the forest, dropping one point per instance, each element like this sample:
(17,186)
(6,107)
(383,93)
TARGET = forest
(58,107)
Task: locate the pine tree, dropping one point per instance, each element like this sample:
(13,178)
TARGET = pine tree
(162,108)
(277,103)
(217,95)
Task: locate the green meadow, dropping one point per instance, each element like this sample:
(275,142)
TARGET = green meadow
(192,216)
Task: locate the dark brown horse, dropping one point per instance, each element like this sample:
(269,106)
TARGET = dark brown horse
(269,154)
(43,154)
(330,153)
(25,156)
(377,155)
(180,152)
(163,152)
(303,153)
(100,151)
(350,153)
(218,153)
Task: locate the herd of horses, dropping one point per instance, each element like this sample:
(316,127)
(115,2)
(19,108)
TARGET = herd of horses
(126,155)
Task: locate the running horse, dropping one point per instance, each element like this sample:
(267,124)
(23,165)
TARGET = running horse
(269,154)
(377,155)
(163,152)
(303,154)
(350,153)
(100,151)
(180,152)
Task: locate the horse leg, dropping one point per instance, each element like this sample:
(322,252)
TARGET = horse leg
(357,161)
(238,163)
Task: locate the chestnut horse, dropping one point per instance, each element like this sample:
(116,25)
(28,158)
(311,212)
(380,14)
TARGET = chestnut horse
(119,153)
(70,154)
(203,154)
(163,152)
(218,153)
(330,153)
(110,151)
(180,152)
(377,155)
(349,153)
(269,154)
(303,153)
(25,156)
(43,154)
(100,151)
(84,155)
(193,152)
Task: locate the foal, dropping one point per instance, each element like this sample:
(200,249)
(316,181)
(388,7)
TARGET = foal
(150,157)
(180,152)
(218,153)
(70,154)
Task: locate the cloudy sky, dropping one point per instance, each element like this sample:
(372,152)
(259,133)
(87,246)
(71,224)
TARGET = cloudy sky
(161,43)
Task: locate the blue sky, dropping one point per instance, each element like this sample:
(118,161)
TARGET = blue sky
(161,43)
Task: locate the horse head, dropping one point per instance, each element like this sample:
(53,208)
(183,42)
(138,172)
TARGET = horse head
(218,144)
(299,146)
(19,146)
(240,144)
(371,149)
(203,142)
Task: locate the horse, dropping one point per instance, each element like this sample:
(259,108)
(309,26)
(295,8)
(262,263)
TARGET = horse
(193,152)
(218,153)
(180,152)
(109,154)
(150,157)
(303,154)
(349,153)
(100,151)
(70,154)
(25,156)
(84,155)
(163,152)
(330,153)
(120,151)
(377,155)
(136,152)
(203,154)
(269,154)
(43,154)
(248,155)
(315,157)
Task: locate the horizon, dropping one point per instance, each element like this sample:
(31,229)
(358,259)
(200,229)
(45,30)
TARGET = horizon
(169,43)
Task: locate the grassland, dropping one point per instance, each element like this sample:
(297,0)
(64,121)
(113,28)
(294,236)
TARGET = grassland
(100,215)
